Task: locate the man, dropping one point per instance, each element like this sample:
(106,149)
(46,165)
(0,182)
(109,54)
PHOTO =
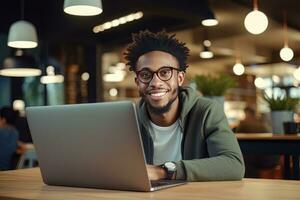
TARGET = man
(8,137)
(184,136)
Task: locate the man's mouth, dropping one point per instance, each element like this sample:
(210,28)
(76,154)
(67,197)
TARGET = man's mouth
(156,95)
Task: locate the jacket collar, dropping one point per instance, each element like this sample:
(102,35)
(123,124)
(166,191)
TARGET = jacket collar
(187,99)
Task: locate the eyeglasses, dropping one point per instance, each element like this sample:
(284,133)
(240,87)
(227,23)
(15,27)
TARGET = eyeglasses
(163,73)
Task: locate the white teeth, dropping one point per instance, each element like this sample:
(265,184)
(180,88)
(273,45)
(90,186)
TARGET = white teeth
(158,94)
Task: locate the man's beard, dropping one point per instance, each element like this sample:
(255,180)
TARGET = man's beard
(160,110)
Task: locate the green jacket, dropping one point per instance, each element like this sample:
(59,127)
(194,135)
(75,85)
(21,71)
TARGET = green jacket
(210,150)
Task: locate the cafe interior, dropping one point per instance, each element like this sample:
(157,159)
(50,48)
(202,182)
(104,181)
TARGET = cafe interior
(70,56)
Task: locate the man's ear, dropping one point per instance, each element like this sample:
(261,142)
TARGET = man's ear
(180,77)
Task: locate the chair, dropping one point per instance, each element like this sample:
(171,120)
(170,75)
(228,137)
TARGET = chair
(28,159)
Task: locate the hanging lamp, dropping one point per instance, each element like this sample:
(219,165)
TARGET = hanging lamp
(209,20)
(238,68)
(22,34)
(19,65)
(206,53)
(256,22)
(83,7)
(286,53)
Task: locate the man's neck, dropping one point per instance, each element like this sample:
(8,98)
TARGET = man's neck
(167,118)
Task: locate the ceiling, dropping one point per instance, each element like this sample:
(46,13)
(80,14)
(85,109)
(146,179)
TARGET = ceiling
(182,17)
(55,26)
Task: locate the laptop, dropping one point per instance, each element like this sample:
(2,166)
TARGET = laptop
(95,145)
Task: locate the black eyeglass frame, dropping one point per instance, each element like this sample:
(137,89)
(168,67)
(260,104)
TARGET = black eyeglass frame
(157,74)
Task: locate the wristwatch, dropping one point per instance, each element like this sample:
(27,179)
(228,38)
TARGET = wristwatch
(170,168)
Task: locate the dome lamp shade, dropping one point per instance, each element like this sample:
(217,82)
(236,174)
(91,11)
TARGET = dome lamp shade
(22,34)
(20,66)
(83,7)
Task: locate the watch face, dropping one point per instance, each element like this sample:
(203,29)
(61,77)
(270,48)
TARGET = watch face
(171,166)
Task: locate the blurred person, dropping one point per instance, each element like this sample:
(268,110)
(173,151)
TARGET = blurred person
(184,136)
(8,137)
(256,163)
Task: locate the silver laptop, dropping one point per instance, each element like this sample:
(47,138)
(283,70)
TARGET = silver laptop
(95,145)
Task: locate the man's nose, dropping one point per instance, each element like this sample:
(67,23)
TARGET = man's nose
(155,80)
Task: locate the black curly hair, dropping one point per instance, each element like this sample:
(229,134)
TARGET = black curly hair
(146,41)
(8,114)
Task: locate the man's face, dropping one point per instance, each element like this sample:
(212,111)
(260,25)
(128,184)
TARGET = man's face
(159,95)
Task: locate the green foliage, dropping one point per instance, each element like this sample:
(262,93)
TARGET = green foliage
(281,102)
(214,86)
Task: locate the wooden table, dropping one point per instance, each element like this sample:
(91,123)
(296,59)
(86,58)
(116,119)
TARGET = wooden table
(27,184)
(272,144)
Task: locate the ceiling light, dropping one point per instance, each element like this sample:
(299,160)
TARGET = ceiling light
(113,77)
(51,77)
(117,22)
(122,20)
(20,66)
(85,76)
(238,69)
(206,53)
(209,22)
(19,105)
(138,15)
(259,83)
(83,7)
(22,34)
(297,74)
(286,53)
(113,92)
(276,79)
(256,22)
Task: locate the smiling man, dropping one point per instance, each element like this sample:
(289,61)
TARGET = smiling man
(184,136)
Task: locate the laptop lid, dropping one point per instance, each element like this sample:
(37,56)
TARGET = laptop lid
(94,145)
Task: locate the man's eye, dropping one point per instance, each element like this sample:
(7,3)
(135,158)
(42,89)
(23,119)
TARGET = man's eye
(164,72)
(145,74)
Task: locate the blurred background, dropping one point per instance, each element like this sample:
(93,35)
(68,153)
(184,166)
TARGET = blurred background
(79,59)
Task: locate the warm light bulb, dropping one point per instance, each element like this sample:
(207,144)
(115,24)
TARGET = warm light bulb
(256,22)
(113,92)
(209,22)
(259,82)
(83,10)
(206,54)
(238,69)
(286,53)
(297,74)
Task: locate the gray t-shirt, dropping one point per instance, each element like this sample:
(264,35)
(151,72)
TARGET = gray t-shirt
(167,143)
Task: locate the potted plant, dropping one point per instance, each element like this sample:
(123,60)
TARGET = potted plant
(282,110)
(214,87)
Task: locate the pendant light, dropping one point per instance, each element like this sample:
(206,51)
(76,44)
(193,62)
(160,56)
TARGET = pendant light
(83,7)
(51,77)
(206,53)
(256,22)
(19,65)
(238,68)
(22,34)
(286,53)
(210,20)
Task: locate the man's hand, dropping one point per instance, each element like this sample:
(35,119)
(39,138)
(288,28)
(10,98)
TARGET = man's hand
(156,172)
